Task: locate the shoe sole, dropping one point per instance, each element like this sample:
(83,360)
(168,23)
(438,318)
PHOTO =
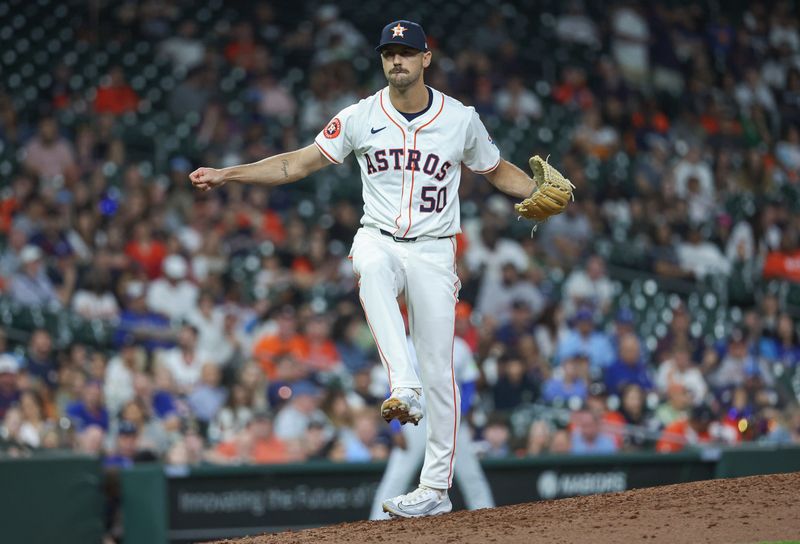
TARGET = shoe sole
(393,408)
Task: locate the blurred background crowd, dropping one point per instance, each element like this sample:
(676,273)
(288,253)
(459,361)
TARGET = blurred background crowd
(141,320)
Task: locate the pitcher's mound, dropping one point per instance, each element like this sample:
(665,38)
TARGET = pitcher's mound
(754,509)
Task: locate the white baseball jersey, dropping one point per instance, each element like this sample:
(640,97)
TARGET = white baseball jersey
(410,169)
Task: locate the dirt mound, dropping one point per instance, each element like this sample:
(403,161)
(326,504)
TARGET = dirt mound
(750,509)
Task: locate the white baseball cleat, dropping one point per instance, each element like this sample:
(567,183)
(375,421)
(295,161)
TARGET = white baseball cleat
(404,405)
(423,501)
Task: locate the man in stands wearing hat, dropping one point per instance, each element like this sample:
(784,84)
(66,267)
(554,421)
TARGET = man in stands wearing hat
(30,285)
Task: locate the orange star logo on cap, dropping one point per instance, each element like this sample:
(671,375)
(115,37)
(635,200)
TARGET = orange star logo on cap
(398,31)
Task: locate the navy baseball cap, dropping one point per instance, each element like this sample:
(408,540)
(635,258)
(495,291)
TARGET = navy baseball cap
(403,32)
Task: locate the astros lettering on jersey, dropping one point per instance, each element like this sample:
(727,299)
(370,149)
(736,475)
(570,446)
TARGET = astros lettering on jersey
(410,169)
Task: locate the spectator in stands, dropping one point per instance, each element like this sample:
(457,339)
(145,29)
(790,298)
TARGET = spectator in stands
(272,99)
(124,451)
(678,369)
(496,436)
(565,237)
(285,340)
(514,386)
(136,322)
(520,323)
(784,347)
(676,406)
(321,354)
(664,254)
(11,255)
(693,167)
(9,383)
(114,95)
(700,428)
(489,252)
(91,441)
(184,362)
(575,26)
(40,364)
(90,410)
(118,382)
(636,418)
(256,444)
(365,442)
(561,443)
(154,434)
(31,286)
(785,263)
(496,300)
(49,156)
(583,337)
(629,368)
(701,258)
(588,287)
(540,434)
(184,49)
(587,438)
(193,94)
(94,299)
(736,366)
(210,322)
(173,295)
(145,250)
(516,103)
(573,90)
(568,381)
(233,417)
(207,397)
(303,407)
(594,137)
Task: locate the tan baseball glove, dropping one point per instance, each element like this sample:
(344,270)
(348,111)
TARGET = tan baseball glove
(553,192)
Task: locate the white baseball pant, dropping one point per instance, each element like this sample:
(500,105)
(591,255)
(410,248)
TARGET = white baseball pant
(397,478)
(425,271)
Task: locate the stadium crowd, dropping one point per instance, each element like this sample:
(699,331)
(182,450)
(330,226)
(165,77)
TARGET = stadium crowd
(237,333)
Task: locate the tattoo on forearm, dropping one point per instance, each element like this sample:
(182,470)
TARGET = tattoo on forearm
(285,168)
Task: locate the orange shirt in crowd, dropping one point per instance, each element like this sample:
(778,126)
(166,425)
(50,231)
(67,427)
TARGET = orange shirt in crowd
(115,100)
(148,256)
(268,348)
(272,227)
(322,356)
(271,450)
(783,265)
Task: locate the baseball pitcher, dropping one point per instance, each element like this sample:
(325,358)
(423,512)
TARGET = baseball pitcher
(410,141)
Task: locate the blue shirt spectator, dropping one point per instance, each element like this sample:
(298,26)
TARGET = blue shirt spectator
(587,437)
(583,338)
(629,368)
(208,397)
(568,382)
(149,329)
(89,410)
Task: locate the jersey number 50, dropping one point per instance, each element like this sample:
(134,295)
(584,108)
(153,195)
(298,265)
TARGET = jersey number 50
(433,202)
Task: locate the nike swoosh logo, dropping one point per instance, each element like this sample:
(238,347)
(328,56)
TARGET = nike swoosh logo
(372,130)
